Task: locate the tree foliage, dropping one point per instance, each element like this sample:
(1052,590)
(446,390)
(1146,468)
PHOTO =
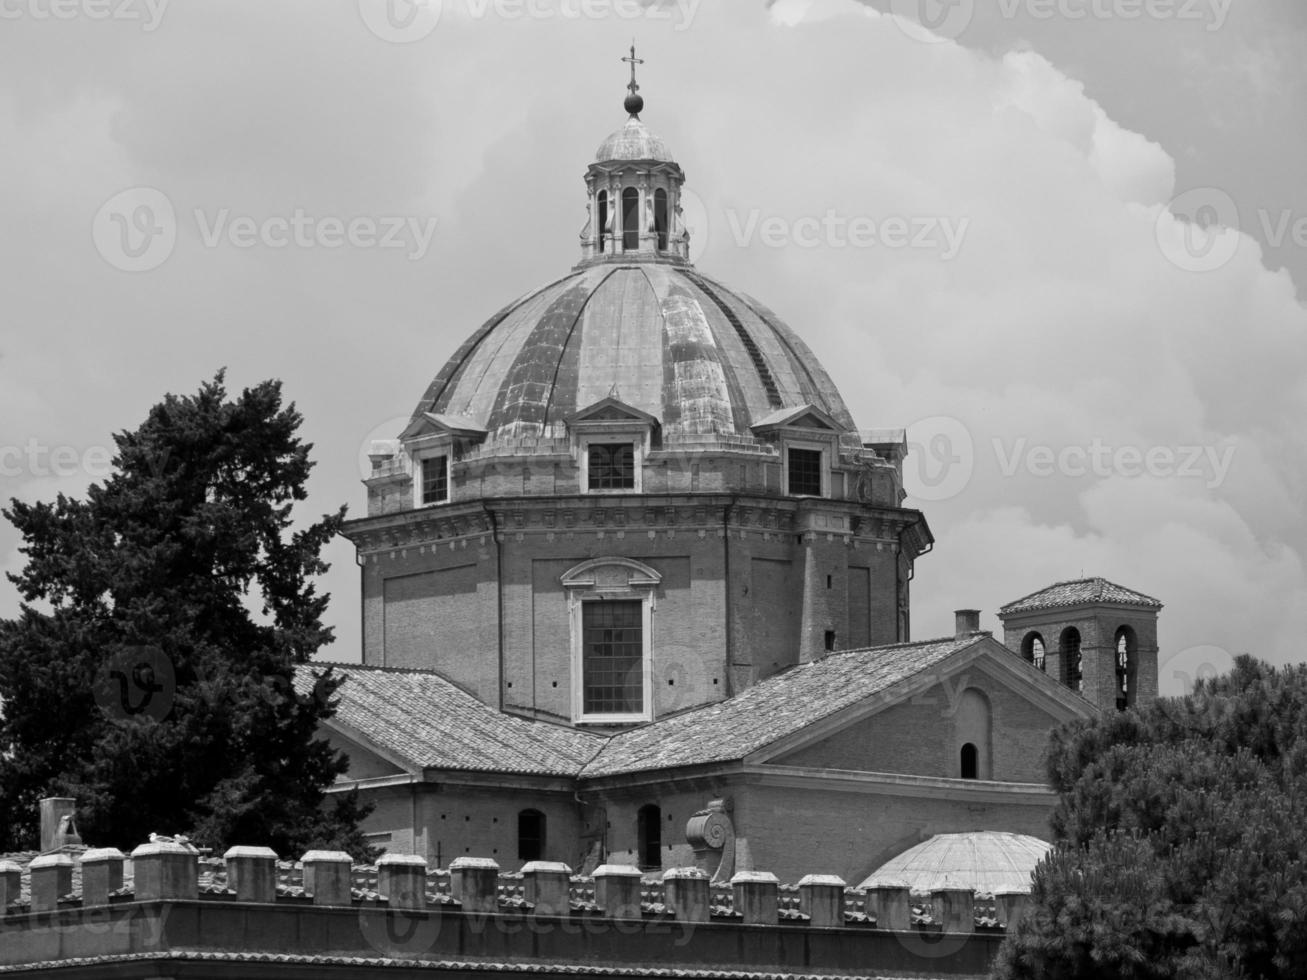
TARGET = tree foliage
(151,671)
(1182,837)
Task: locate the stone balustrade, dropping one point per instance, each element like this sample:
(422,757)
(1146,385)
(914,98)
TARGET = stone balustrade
(168,871)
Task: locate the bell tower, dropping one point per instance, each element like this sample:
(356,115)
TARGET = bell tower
(634,188)
(1096,637)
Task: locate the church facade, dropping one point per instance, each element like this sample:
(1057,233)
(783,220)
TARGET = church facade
(636,590)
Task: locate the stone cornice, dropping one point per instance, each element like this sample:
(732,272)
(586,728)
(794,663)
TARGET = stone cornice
(634,513)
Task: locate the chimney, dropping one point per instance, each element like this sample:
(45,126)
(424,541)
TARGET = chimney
(968,622)
(57,829)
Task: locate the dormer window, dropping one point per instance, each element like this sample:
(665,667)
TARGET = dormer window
(432,442)
(435,480)
(807,440)
(610,440)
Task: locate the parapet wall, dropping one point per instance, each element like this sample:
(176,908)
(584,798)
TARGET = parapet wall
(167,901)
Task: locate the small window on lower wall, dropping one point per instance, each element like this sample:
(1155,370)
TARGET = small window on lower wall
(435,480)
(649,828)
(530,836)
(970,762)
(805,466)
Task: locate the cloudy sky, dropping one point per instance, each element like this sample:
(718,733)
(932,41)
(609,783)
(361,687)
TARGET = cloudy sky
(1064,242)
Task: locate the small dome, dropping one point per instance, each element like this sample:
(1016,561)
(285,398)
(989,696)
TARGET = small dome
(634,142)
(986,861)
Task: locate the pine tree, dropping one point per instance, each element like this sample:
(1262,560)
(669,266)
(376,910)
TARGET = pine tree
(151,672)
(1182,839)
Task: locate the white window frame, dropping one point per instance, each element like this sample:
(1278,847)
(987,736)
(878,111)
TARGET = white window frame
(820,447)
(637,438)
(607,580)
(422,451)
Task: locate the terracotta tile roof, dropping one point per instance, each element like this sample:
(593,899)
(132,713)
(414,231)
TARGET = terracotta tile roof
(430,722)
(376,963)
(1078,592)
(777,707)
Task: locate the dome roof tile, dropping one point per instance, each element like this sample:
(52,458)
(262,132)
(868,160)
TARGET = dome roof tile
(700,358)
(633,141)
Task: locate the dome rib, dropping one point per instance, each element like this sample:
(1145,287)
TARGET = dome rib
(570,349)
(452,371)
(523,400)
(805,363)
(750,345)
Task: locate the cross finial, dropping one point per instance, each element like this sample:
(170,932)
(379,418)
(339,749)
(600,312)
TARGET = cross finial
(634,101)
(632,60)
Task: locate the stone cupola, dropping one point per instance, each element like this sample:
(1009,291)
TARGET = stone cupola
(634,194)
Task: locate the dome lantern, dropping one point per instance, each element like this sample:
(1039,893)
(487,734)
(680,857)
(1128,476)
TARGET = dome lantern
(634,187)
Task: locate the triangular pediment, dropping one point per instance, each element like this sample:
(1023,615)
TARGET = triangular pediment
(611,409)
(798,417)
(430,424)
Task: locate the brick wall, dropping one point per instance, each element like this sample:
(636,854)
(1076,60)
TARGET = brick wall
(441,822)
(793,831)
(921,736)
(435,604)
(1098,625)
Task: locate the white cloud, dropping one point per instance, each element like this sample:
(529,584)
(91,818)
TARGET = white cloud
(1059,322)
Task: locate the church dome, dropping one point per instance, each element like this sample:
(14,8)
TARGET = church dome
(701,359)
(986,861)
(633,141)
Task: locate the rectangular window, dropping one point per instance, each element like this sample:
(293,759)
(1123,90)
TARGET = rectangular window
(805,472)
(612,466)
(435,480)
(612,654)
